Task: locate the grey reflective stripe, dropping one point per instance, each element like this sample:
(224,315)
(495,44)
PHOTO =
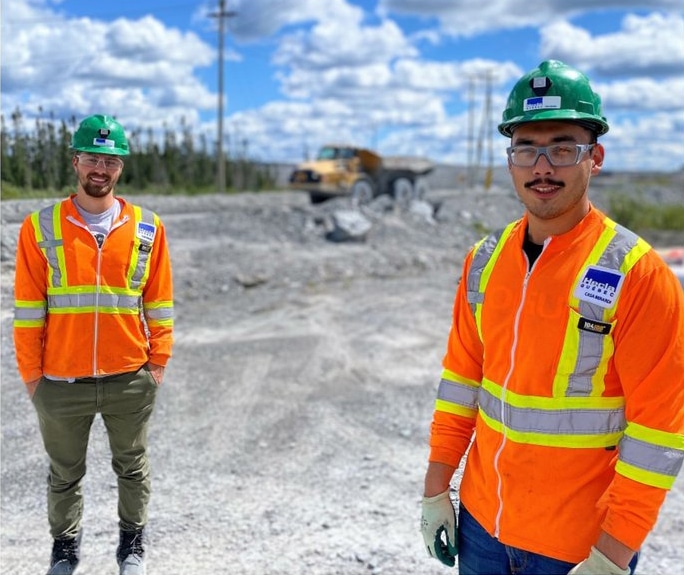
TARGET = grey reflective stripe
(654,458)
(586,421)
(159,312)
(142,256)
(50,243)
(481,257)
(465,395)
(74,301)
(591,345)
(29,313)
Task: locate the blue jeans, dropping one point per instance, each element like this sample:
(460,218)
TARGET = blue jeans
(481,554)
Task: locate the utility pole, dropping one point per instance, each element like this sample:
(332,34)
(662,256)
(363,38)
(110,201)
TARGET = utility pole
(470,138)
(222,14)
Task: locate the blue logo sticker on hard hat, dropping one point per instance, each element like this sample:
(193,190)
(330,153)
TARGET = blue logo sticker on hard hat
(104,143)
(542,103)
(599,286)
(146,232)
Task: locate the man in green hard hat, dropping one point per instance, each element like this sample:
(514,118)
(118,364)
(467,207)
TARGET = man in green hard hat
(93,329)
(562,378)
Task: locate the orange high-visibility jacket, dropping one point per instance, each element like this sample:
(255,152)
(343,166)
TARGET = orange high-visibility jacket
(571,374)
(84,311)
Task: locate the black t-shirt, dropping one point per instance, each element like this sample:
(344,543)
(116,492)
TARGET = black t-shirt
(531,249)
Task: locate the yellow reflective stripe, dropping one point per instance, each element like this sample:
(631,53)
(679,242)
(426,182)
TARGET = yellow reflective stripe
(568,358)
(160,322)
(635,254)
(487,272)
(455,408)
(451,376)
(92,309)
(29,322)
(456,396)
(553,440)
(553,403)
(92,289)
(59,250)
(29,304)
(139,270)
(574,421)
(29,313)
(643,476)
(137,217)
(571,344)
(655,436)
(37,229)
(49,219)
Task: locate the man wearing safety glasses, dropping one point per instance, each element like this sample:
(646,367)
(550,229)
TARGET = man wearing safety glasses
(93,332)
(563,373)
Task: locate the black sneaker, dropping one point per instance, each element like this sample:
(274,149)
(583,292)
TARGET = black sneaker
(131,553)
(65,555)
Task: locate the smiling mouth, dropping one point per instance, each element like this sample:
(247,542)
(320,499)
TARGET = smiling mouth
(544,186)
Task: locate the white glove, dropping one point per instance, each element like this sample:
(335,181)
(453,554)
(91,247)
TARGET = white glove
(597,564)
(438,526)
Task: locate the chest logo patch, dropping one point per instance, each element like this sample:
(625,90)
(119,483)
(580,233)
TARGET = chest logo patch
(145,232)
(599,286)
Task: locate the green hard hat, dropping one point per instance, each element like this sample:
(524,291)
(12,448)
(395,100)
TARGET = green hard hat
(100,134)
(553,91)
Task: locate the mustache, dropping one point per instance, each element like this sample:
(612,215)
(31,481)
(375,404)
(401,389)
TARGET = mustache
(547,181)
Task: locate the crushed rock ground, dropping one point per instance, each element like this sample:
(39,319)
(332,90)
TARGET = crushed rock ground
(290,435)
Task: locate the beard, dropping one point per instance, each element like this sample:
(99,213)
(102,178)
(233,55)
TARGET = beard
(97,189)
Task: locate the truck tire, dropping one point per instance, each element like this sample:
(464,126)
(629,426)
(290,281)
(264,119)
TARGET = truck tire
(421,188)
(362,192)
(402,190)
(317,197)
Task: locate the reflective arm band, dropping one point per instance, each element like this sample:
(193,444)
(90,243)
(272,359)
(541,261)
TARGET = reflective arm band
(650,456)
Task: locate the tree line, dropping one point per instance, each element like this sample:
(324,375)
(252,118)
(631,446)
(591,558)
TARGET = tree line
(40,159)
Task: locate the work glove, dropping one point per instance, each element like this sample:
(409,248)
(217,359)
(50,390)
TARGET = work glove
(438,526)
(597,564)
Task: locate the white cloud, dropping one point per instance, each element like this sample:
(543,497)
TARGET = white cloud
(343,43)
(467,18)
(646,45)
(347,75)
(644,94)
(652,142)
(138,68)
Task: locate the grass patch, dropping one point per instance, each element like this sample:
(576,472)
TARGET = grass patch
(638,215)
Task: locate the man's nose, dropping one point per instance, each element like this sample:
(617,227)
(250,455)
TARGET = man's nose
(543,166)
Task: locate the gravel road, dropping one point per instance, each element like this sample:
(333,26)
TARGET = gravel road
(290,435)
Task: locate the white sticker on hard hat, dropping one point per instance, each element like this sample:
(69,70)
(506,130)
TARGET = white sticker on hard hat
(542,103)
(104,143)
(146,232)
(599,286)
(539,82)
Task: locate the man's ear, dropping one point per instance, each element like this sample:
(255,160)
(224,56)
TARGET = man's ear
(597,155)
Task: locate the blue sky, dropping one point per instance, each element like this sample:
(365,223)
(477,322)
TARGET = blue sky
(402,76)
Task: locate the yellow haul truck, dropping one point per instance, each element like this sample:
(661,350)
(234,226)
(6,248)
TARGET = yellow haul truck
(341,170)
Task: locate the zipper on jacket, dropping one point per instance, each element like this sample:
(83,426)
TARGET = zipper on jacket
(98,281)
(514,346)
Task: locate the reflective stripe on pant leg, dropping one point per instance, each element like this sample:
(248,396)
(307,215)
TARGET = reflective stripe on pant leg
(65,414)
(127,404)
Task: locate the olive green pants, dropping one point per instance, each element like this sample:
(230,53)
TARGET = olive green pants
(66,411)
